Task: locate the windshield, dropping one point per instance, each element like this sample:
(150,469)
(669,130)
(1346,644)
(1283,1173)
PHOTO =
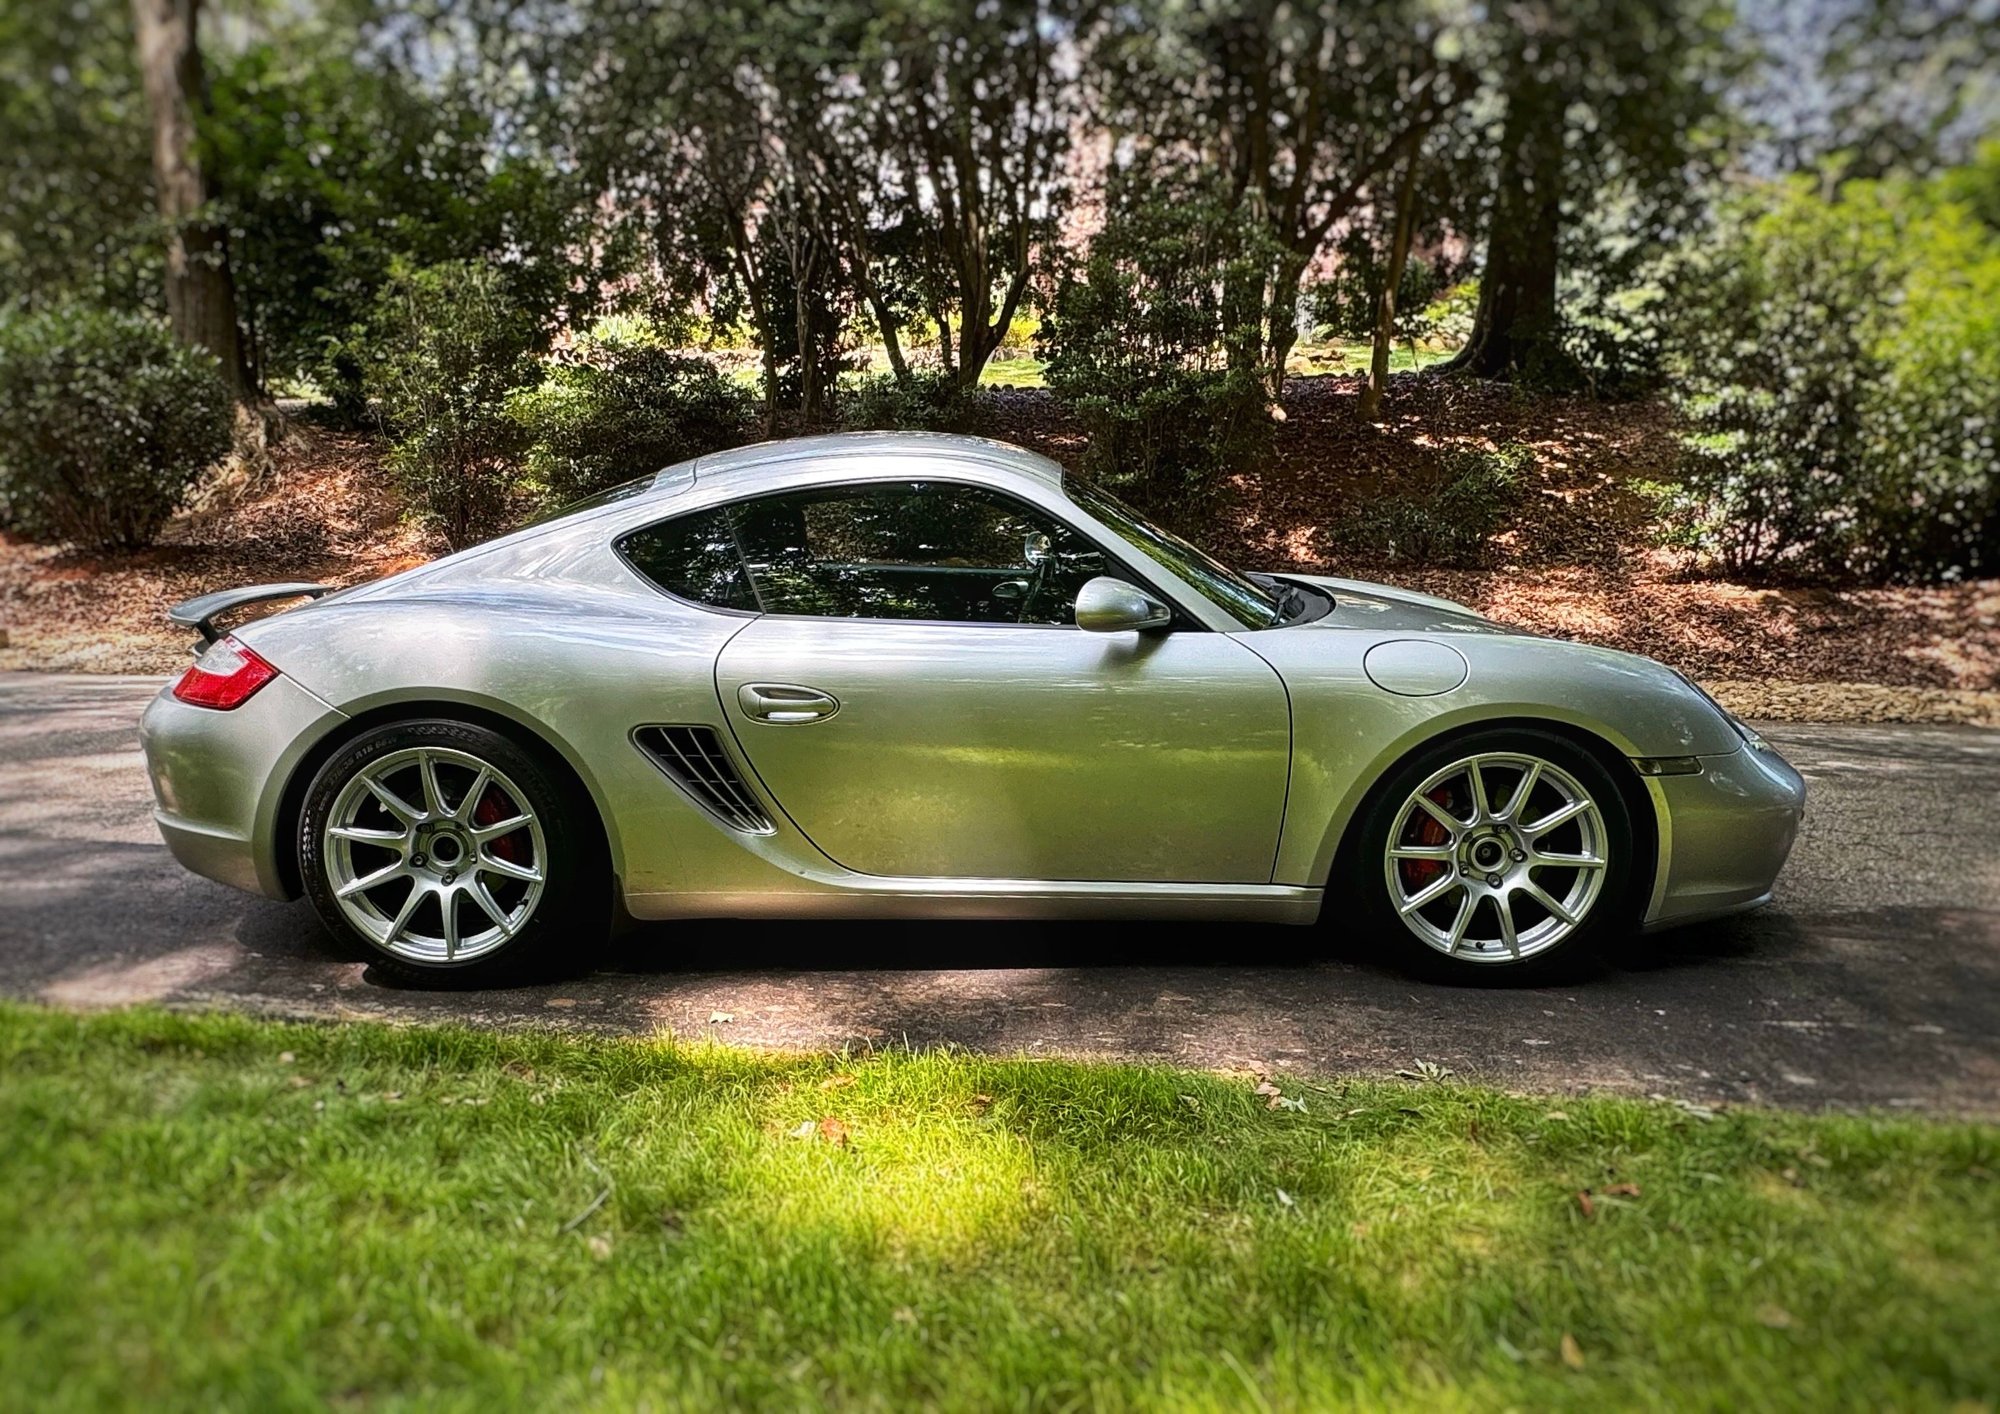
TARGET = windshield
(1236,595)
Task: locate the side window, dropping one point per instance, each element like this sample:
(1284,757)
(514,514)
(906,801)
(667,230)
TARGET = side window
(896,550)
(694,557)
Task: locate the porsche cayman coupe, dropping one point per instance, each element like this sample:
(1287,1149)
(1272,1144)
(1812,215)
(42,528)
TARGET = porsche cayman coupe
(878,675)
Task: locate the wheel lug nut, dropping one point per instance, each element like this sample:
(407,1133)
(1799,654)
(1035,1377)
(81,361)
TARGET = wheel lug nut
(1493,881)
(1518,856)
(418,861)
(450,874)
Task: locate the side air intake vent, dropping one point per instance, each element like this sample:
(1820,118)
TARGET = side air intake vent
(694,760)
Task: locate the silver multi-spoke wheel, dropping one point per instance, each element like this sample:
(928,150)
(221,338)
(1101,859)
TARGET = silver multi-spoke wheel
(1497,857)
(435,855)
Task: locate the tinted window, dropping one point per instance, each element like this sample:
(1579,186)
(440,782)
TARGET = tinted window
(694,557)
(898,550)
(1236,594)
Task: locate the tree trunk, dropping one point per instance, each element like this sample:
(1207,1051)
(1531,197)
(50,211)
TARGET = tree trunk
(1385,307)
(806,332)
(871,294)
(760,316)
(885,324)
(1516,328)
(201,296)
(1283,320)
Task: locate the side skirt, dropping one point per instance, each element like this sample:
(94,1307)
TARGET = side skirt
(870,897)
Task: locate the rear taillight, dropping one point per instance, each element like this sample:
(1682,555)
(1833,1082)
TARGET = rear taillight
(226,676)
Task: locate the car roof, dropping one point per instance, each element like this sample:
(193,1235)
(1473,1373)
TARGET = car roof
(744,463)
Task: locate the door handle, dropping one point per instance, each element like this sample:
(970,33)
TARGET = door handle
(784,704)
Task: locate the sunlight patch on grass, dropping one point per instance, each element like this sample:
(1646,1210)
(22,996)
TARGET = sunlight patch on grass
(237,1214)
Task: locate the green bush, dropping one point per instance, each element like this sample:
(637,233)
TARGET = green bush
(450,348)
(627,405)
(1837,364)
(924,402)
(1444,517)
(1344,305)
(1155,349)
(105,425)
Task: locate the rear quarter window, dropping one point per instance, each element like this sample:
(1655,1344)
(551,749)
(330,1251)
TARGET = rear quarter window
(694,557)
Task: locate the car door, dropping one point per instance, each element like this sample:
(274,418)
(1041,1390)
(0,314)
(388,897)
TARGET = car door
(914,694)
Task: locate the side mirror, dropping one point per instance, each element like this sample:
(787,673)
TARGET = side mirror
(1107,605)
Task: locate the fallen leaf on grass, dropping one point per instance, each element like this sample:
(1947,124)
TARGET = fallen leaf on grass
(560,1003)
(836,1082)
(1192,1103)
(1585,1199)
(600,1247)
(1286,1199)
(1271,1093)
(806,1130)
(286,1058)
(834,1132)
(1774,1316)
(982,1103)
(1572,1353)
(1693,1110)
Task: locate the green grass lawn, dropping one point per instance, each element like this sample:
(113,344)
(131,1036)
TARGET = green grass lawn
(215,1212)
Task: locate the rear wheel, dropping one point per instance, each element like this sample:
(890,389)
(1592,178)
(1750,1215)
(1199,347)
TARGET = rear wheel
(445,848)
(1504,854)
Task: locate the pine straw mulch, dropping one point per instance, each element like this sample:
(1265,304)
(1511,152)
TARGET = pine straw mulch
(322,513)
(1575,564)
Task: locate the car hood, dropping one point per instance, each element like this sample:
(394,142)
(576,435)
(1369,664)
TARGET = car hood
(1359,604)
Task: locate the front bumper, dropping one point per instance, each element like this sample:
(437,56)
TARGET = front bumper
(1725,832)
(218,778)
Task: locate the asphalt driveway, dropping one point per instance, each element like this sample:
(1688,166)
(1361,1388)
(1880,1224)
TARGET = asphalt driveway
(1873,980)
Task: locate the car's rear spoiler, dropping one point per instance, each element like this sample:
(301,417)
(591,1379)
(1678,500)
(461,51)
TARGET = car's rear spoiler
(201,612)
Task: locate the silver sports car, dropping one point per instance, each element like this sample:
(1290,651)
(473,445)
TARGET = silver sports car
(899,674)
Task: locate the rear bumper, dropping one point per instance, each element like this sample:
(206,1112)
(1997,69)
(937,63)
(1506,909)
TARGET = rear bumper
(1724,835)
(218,778)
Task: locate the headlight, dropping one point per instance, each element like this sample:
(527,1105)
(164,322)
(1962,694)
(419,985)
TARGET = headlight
(1743,728)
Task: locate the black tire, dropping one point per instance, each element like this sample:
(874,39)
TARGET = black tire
(1612,913)
(572,913)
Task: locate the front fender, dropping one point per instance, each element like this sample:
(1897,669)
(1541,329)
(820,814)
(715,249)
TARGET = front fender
(1347,732)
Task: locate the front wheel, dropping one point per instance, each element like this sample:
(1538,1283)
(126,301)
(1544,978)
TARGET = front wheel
(443,847)
(1503,854)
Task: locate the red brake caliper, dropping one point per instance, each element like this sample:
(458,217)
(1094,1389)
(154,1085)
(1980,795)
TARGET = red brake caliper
(493,807)
(1418,872)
